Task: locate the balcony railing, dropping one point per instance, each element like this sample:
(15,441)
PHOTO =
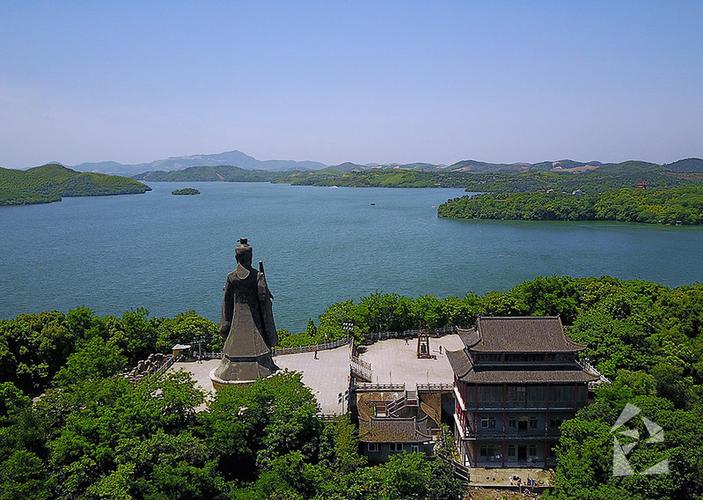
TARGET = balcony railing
(498,433)
(524,405)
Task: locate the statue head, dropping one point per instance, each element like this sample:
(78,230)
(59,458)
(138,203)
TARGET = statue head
(242,252)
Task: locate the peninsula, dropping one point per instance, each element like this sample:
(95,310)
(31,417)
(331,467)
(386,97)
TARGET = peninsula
(678,205)
(52,182)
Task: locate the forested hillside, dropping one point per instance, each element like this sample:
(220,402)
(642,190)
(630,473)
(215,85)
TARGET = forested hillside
(93,433)
(681,205)
(217,173)
(51,182)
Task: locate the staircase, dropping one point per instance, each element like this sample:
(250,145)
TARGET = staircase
(395,406)
(409,400)
(460,471)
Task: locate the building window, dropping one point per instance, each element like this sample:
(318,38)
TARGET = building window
(374,447)
(488,451)
(522,424)
(415,448)
(533,422)
(489,394)
(511,450)
(555,423)
(396,447)
(512,423)
(532,450)
(488,422)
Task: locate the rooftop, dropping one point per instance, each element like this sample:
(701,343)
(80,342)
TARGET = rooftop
(394,430)
(465,371)
(519,334)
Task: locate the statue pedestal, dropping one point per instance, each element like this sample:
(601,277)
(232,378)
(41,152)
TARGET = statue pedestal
(218,383)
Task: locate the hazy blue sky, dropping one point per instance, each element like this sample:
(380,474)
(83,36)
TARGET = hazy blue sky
(353,80)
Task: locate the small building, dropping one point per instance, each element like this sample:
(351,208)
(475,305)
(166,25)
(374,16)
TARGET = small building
(515,381)
(181,350)
(381,437)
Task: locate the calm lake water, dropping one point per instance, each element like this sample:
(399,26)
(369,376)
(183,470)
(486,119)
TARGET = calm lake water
(320,245)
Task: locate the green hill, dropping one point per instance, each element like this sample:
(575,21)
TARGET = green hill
(227,173)
(686,165)
(51,182)
(675,205)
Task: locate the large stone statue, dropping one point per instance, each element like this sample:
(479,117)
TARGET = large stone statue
(247,320)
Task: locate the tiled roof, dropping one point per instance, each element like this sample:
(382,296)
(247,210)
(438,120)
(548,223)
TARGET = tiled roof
(467,372)
(460,362)
(527,376)
(469,336)
(522,334)
(393,430)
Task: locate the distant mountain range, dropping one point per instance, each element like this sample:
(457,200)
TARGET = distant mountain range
(246,162)
(234,158)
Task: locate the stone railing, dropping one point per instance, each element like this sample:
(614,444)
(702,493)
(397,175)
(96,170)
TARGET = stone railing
(360,368)
(327,417)
(460,471)
(168,364)
(589,368)
(434,332)
(369,387)
(155,364)
(442,387)
(212,355)
(278,351)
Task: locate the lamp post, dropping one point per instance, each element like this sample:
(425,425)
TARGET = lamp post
(200,340)
(348,327)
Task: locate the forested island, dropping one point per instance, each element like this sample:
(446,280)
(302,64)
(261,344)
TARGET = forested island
(604,177)
(565,175)
(185,192)
(49,183)
(679,205)
(93,433)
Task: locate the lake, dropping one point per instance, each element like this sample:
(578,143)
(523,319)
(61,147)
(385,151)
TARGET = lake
(320,245)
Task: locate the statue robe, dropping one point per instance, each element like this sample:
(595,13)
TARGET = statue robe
(247,320)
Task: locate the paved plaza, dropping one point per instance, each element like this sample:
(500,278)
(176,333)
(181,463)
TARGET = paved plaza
(392,361)
(395,362)
(327,376)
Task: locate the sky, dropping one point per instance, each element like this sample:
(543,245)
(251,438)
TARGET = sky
(362,81)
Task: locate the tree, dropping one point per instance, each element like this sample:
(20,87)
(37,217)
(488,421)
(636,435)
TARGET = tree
(252,426)
(23,475)
(96,360)
(184,329)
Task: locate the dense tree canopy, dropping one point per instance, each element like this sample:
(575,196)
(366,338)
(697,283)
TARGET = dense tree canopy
(50,182)
(654,206)
(94,434)
(38,348)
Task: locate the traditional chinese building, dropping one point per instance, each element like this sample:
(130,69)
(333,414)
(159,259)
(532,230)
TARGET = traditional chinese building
(381,437)
(515,381)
